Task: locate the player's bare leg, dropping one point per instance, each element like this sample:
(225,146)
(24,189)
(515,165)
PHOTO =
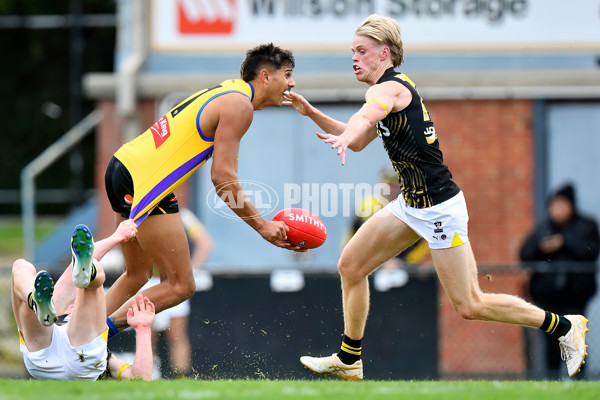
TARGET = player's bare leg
(35,335)
(179,345)
(457,270)
(160,241)
(88,319)
(380,238)
(137,270)
(64,290)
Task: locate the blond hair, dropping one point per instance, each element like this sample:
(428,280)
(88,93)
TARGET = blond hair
(386,31)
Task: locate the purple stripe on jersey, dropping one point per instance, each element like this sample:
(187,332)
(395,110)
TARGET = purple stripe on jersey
(252,89)
(206,139)
(166,183)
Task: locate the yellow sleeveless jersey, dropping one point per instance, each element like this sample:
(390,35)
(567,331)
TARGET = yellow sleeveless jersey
(164,156)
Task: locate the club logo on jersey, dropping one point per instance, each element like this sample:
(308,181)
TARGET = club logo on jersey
(430,135)
(160,131)
(206,16)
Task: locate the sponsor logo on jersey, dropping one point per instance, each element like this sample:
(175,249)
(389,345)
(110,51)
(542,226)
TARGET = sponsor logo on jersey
(430,135)
(206,16)
(160,131)
(128,199)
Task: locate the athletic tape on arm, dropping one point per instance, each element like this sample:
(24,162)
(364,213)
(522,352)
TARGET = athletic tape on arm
(382,103)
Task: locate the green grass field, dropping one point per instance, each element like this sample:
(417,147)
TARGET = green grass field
(11,235)
(278,390)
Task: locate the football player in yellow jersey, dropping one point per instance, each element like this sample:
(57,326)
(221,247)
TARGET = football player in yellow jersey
(430,206)
(142,175)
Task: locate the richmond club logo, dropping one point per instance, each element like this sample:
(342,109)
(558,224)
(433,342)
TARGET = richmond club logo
(206,16)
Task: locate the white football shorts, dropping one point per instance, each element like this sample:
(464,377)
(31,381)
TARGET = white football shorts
(62,361)
(443,225)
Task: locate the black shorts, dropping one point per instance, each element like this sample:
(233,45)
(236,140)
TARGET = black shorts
(119,188)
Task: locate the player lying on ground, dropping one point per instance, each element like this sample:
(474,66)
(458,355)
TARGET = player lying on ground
(72,344)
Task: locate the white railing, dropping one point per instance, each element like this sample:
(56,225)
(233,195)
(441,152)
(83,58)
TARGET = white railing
(38,165)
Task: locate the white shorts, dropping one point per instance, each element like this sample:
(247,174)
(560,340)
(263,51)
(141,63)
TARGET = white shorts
(443,226)
(62,361)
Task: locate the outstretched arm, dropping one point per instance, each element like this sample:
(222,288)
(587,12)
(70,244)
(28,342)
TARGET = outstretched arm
(380,100)
(125,231)
(324,121)
(139,317)
(236,115)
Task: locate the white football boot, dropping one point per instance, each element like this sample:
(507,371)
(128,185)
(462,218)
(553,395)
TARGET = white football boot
(332,365)
(572,344)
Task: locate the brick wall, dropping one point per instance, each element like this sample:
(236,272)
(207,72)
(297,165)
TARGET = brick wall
(488,146)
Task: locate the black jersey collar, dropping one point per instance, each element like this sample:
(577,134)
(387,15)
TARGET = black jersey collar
(388,73)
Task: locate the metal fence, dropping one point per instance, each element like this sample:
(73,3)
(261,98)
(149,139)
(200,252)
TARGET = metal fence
(412,332)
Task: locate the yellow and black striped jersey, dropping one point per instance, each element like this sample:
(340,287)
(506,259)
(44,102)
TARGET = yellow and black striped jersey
(410,139)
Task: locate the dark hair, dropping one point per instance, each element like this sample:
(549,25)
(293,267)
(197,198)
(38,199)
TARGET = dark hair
(266,56)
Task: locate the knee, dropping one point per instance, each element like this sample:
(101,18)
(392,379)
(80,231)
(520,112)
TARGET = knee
(22,265)
(18,264)
(183,290)
(348,270)
(138,275)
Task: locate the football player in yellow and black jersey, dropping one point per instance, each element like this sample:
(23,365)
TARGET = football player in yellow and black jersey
(430,206)
(143,173)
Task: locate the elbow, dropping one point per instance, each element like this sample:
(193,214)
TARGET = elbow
(217,178)
(221,178)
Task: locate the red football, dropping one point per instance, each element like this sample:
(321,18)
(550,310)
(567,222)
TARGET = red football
(306,229)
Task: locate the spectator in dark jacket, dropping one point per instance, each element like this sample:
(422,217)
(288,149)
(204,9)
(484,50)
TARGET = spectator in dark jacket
(568,243)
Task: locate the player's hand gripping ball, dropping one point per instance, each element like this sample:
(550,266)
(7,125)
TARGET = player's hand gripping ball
(306,229)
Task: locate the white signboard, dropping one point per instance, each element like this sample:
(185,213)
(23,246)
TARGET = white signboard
(227,25)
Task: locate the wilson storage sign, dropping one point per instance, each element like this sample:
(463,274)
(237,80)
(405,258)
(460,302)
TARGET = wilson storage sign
(214,25)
